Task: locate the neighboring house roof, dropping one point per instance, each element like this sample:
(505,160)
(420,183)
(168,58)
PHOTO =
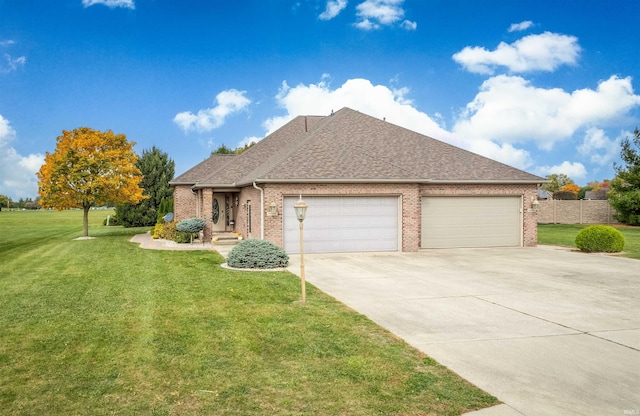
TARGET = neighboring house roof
(542,194)
(349,146)
(596,195)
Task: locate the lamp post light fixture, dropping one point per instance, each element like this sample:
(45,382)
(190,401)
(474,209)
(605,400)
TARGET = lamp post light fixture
(301,211)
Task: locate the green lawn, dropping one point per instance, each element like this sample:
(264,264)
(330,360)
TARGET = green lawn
(565,235)
(102,327)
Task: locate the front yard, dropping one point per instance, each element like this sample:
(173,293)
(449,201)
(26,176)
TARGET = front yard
(101,327)
(565,235)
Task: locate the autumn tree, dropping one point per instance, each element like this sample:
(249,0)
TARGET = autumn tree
(556,182)
(624,194)
(571,187)
(157,170)
(89,168)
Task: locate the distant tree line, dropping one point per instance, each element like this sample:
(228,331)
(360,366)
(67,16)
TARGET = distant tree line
(22,203)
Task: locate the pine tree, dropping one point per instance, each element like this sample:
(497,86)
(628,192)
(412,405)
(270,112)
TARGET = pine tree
(157,170)
(624,195)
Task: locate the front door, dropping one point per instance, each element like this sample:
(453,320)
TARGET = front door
(218,213)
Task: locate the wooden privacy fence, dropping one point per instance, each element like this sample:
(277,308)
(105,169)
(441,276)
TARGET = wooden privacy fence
(576,212)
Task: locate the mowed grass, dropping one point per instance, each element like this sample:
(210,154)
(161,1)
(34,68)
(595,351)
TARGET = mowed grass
(565,235)
(102,327)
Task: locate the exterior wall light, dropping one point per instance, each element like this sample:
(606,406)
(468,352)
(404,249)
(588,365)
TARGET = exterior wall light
(273,209)
(534,204)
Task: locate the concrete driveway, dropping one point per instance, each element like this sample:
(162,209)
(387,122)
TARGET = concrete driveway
(547,331)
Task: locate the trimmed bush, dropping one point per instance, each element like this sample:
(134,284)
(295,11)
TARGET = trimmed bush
(182,237)
(257,254)
(191,225)
(600,239)
(158,231)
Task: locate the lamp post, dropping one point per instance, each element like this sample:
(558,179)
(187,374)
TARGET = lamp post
(301,210)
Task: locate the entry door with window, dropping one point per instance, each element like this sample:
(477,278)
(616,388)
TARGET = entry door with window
(218,213)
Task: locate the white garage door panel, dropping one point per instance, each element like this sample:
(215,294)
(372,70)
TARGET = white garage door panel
(343,224)
(471,222)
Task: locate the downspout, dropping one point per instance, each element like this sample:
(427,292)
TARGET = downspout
(261,209)
(195,193)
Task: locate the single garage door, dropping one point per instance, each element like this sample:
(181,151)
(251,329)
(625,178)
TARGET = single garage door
(343,224)
(474,221)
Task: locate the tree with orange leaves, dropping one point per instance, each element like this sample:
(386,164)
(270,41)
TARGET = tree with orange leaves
(571,187)
(89,168)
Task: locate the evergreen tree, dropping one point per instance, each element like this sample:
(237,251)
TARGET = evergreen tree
(624,194)
(157,170)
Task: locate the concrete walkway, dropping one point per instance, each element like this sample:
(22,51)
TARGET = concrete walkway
(548,332)
(149,243)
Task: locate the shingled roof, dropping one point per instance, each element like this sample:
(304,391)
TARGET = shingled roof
(349,146)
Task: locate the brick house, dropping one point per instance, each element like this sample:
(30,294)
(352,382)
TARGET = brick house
(370,186)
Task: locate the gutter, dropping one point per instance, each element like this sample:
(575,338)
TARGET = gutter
(429,181)
(261,210)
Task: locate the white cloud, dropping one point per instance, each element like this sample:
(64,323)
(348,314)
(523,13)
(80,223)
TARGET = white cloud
(333,8)
(17,173)
(409,25)
(228,102)
(129,4)
(12,64)
(373,14)
(601,150)
(574,170)
(505,152)
(544,52)
(510,110)
(518,27)
(359,94)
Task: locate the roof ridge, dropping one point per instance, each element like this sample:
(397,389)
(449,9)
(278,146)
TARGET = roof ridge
(298,142)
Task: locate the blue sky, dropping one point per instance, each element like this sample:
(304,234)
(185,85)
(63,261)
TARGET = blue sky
(545,86)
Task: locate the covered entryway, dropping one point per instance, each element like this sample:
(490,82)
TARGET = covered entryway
(339,224)
(471,221)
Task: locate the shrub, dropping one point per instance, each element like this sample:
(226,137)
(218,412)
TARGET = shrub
(158,231)
(257,254)
(166,231)
(166,206)
(191,225)
(182,237)
(565,195)
(113,221)
(600,238)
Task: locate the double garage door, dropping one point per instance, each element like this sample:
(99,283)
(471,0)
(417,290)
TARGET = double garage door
(343,224)
(357,224)
(474,221)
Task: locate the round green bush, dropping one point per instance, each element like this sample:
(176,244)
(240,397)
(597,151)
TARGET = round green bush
(257,254)
(191,225)
(600,238)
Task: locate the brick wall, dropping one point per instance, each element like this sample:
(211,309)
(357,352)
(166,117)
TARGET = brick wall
(188,204)
(185,202)
(576,212)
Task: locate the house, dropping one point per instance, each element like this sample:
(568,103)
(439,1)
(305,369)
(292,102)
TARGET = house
(598,195)
(370,186)
(544,195)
